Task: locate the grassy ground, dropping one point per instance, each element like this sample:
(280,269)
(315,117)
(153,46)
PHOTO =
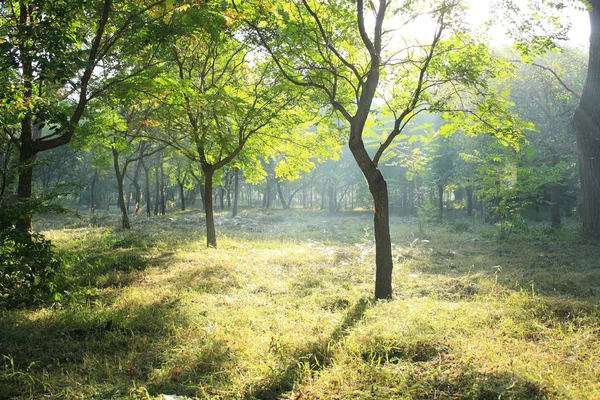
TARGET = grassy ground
(283,309)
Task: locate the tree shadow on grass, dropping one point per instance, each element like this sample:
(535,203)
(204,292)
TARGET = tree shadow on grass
(105,350)
(314,357)
(464,383)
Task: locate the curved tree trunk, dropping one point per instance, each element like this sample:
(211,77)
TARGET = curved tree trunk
(211,235)
(281,197)
(587,133)
(121,191)
(378,187)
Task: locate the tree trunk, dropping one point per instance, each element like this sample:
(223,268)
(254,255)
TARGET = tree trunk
(24,189)
(211,236)
(157,185)
(555,207)
(469,190)
(378,187)
(236,192)
(281,197)
(163,206)
(181,185)
(440,202)
(147,187)
(383,243)
(332,197)
(136,184)
(587,133)
(222,197)
(93,192)
(323,189)
(121,191)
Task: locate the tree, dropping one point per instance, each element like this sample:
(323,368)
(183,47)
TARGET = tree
(587,132)
(542,33)
(541,99)
(350,66)
(57,56)
(221,104)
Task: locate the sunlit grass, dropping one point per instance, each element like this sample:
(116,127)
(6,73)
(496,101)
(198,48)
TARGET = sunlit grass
(283,309)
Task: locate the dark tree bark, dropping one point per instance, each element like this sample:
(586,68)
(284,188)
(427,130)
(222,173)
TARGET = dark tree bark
(587,133)
(379,192)
(181,184)
(469,190)
(30,146)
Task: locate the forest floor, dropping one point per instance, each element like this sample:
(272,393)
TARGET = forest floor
(283,309)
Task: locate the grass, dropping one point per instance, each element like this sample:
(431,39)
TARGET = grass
(283,309)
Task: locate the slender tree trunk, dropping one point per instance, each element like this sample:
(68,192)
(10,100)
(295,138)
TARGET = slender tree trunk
(93,192)
(587,133)
(136,185)
(24,189)
(121,190)
(441,202)
(266,195)
(129,196)
(222,197)
(281,197)
(555,207)
(229,184)
(157,185)
(323,196)
(236,192)
(469,190)
(332,197)
(163,206)
(147,187)
(211,235)
(181,184)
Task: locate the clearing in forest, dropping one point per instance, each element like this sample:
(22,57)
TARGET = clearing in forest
(283,309)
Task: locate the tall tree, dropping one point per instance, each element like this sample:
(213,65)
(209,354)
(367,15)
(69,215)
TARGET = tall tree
(356,62)
(221,104)
(540,27)
(57,56)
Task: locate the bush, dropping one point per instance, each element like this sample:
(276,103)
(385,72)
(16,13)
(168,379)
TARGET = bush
(29,269)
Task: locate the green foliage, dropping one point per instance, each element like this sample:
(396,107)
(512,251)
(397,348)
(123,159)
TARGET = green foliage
(30,271)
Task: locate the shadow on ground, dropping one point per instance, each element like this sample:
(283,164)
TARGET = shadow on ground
(314,357)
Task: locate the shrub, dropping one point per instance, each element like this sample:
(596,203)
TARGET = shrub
(29,269)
